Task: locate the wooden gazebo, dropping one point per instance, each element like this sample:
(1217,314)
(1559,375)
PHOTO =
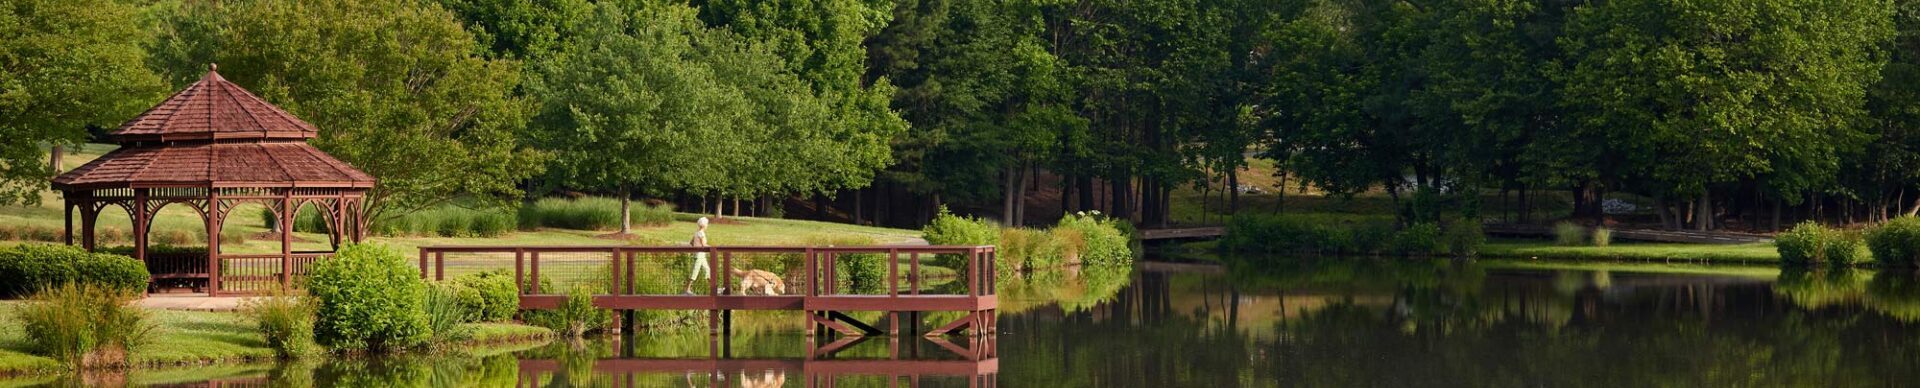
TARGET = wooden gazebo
(212,147)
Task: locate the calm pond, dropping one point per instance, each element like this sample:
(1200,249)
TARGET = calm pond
(1348,322)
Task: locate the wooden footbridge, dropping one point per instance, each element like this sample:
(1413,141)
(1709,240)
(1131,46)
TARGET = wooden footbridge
(825,282)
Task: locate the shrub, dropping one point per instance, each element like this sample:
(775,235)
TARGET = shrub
(495,298)
(1896,243)
(866,273)
(1463,237)
(1308,233)
(84,325)
(1809,242)
(1569,234)
(449,221)
(286,321)
(1602,237)
(576,317)
(1418,239)
(1101,240)
(368,298)
(949,229)
(28,268)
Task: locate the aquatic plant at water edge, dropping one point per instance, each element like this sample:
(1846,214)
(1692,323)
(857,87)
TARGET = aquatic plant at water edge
(1896,243)
(285,320)
(28,268)
(446,310)
(1602,237)
(576,317)
(949,229)
(1028,249)
(1418,239)
(84,325)
(368,298)
(1100,240)
(1463,237)
(1569,234)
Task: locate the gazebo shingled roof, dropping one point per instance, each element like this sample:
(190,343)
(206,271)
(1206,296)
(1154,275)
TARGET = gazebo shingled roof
(213,146)
(206,128)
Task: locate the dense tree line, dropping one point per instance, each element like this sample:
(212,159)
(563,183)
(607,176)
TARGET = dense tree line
(1714,110)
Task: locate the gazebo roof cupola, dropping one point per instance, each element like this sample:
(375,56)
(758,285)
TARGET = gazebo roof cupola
(213,109)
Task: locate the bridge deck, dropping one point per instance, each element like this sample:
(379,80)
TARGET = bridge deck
(822,280)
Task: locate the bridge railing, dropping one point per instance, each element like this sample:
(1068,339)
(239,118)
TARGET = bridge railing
(732,270)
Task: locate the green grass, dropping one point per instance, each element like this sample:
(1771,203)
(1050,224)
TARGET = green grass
(1752,271)
(1755,253)
(194,337)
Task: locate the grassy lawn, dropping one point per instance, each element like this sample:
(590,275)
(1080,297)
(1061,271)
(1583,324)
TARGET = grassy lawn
(1756,253)
(193,337)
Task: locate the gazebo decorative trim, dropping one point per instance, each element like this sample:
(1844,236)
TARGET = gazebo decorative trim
(212,147)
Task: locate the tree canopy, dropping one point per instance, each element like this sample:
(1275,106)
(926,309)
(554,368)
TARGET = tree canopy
(65,66)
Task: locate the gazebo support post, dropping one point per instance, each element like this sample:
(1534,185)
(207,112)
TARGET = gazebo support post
(140,225)
(88,215)
(68,211)
(286,237)
(215,216)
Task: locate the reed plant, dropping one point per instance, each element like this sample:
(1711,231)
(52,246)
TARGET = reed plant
(285,320)
(591,213)
(85,326)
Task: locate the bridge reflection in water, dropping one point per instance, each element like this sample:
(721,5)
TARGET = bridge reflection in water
(941,361)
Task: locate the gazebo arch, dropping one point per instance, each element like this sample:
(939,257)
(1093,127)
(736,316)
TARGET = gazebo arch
(210,147)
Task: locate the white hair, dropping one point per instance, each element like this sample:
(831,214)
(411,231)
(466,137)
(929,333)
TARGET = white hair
(702,221)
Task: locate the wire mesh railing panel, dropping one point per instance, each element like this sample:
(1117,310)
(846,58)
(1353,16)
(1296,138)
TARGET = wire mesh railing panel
(664,273)
(762,273)
(555,273)
(452,265)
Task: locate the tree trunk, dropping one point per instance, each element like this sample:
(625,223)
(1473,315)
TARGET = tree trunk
(1665,212)
(858,206)
(1008,190)
(719,207)
(1020,195)
(59,152)
(1703,214)
(1086,193)
(1233,190)
(626,213)
(1776,216)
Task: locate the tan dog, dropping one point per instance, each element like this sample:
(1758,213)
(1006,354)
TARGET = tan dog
(764,281)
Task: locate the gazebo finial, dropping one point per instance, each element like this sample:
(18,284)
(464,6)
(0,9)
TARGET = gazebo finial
(213,66)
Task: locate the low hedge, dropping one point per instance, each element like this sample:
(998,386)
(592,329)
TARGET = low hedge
(1811,243)
(29,268)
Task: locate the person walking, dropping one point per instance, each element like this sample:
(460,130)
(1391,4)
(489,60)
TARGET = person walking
(700,267)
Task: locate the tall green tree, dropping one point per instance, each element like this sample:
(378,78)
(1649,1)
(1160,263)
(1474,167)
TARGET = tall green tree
(398,89)
(1689,96)
(64,65)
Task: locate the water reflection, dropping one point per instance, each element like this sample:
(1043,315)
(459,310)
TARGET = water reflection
(1348,322)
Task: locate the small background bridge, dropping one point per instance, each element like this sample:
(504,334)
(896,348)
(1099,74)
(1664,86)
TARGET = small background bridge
(1173,234)
(826,282)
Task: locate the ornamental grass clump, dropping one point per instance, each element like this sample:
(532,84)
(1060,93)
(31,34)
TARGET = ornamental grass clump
(368,298)
(286,320)
(85,326)
(1569,234)
(1811,243)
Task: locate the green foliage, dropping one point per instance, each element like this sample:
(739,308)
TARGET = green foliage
(368,298)
(1463,238)
(446,307)
(399,89)
(28,268)
(1811,243)
(449,221)
(286,321)
(1419,239)
(865,273)
(1602,237)
(576,316)
(1895,243)
(84,325)
(1092,239)
(494,296)
(65,65)
(949,229)
(1307,233)
(1023,249)
(1568,233)
(590,213)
